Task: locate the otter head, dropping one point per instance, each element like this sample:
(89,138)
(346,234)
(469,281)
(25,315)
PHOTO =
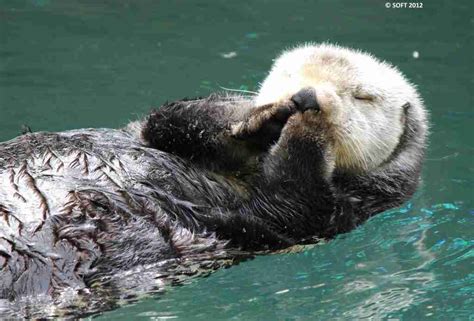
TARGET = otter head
(365,102)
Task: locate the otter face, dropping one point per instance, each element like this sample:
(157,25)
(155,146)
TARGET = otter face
(362,99)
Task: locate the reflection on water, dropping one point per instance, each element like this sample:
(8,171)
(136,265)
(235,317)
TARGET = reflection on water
(69,64)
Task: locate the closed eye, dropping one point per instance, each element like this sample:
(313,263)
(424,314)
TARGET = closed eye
(364,97)
(360,93)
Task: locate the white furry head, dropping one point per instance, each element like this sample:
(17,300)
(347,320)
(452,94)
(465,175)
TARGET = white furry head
(362,97)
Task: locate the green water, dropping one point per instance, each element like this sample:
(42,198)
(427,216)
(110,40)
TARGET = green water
(70,64)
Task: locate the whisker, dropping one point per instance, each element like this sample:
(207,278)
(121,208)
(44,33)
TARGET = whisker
(239,90)
(357,145)
(353,148)
(379,143)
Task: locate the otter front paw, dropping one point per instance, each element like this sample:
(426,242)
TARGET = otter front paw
(304,151)
(263,125)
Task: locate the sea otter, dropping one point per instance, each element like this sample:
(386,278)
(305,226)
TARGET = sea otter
(333,137)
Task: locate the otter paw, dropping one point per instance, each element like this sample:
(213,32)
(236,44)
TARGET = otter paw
(263,125)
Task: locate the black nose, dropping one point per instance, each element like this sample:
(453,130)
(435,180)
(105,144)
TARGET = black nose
(306,99)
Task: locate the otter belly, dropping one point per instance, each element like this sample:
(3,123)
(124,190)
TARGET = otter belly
(78,207)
